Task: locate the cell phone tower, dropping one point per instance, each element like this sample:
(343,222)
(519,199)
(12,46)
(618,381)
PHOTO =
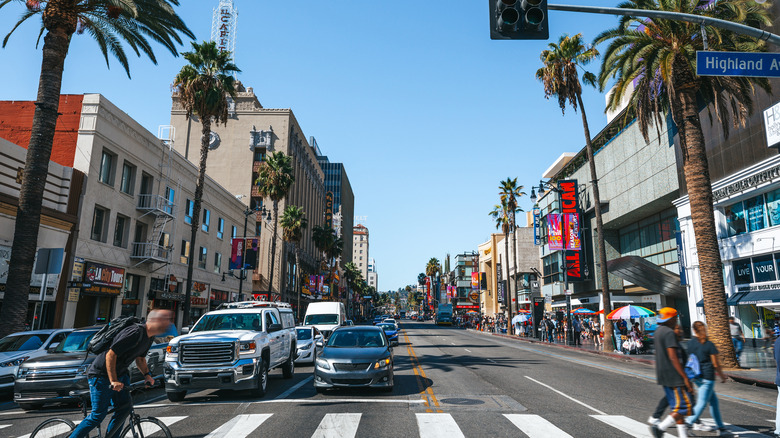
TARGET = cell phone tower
(223,26)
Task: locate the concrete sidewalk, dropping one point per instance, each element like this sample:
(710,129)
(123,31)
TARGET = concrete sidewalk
(758,362)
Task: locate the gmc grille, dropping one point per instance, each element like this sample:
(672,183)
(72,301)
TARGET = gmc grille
(215,353)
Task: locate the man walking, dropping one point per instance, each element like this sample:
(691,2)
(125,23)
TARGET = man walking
(108,374)
(737,337)
(670,373)
(577,331)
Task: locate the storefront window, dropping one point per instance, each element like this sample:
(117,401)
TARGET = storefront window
(735,219)
(743,272)
(754,213)
(764,269)
(773,207)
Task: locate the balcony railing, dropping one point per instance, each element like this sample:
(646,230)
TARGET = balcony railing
(155,204)
(150,252)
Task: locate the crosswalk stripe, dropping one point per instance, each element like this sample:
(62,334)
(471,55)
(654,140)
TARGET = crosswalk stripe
(3,426)
(735,430)
(627,425)
(338,426)
(438,426)
(147,428)
(240,426)
(535,426)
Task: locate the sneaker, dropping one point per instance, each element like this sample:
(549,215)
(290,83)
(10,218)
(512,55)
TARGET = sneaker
(724,432)
(654,421)
(657,433)
(702,427)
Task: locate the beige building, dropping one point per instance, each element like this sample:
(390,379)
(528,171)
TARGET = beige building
(490,254)
(236,152)
(360,249)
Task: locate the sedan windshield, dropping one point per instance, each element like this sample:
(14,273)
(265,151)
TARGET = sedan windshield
(329,319)
(386,326)
(229,321)
(75,342)
(303,334)
(356,339)
(22,342)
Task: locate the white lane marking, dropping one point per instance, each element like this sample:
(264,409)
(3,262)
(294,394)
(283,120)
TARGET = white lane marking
(295,388)
(288,400)
(239,426)
(535,426)
(438,426)
(58,429)
(338,426)
(491,360)
(150,428)
(3,426)
(569,397)
(735,430)
(452,343)
(467,350)
(626,425)
(170,420)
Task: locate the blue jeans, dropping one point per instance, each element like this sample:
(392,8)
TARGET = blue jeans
(102,396)
(737,346)
(704,395)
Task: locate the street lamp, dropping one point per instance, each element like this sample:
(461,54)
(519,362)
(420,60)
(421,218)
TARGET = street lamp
(247,212)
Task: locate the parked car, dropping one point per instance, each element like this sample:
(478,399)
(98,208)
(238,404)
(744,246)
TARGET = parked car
(358,356)
(308,336)
(391,331)
(232,348)
(49,378)
(18,347)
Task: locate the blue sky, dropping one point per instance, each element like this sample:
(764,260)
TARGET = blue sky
(427,113)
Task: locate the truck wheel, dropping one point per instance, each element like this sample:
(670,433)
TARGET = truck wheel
(262,379)
(176,396)
(288,368)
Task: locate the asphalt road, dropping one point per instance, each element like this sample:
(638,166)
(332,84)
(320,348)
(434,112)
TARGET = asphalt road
(448,383)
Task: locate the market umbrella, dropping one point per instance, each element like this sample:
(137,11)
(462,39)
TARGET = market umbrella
(523,311)
(519,319)
(472,311)
(630,311)
(582,311)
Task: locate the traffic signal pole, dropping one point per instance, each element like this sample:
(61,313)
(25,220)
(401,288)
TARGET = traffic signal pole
(677,16)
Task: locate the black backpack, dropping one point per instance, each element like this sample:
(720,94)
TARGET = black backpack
(105,336)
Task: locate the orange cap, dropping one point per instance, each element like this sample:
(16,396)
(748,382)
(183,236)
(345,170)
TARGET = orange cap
(666,314)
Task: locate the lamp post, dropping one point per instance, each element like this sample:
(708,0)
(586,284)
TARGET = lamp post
(247,212)
(543,185)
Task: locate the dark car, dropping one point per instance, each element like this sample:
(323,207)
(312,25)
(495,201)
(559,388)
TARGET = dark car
(358,356)
(49,378)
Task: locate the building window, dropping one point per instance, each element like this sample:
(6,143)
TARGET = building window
(220,228)
(217,262)
(185,251)
(107,165)
(189,211)
(121,228)
(206,220)
(202,257)
(233,231)
(170,196)
(100,223)
(128,178)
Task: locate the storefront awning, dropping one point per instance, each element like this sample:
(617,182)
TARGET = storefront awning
(648,275)
(747,298)
(574,302)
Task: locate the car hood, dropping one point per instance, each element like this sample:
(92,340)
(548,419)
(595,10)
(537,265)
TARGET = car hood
(389,333)
(217,336)
(11,355)
(354,354)
(55,360)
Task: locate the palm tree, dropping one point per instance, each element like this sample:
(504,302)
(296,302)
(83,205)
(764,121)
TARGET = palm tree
(421,278)
(509,191)
(501,215)
(432,268)
(203,87)
(354,277)
(657,59)
(561,78)
(275,177)
(108,22)
(293,223)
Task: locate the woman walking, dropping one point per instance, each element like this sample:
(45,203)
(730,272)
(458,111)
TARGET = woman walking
(707,355)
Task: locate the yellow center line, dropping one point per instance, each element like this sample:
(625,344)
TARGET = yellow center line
(427,394)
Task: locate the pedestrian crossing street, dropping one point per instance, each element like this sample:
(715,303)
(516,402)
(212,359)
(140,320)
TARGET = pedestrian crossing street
(429,425)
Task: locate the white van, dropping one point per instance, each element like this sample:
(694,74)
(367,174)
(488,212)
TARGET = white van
(326,316)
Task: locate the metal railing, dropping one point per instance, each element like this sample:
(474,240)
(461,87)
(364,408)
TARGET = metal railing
(156,204)
(151,251)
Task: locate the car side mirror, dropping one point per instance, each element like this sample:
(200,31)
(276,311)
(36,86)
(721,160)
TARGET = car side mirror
(185,330)
(53,346)
(318,344)
(274,328)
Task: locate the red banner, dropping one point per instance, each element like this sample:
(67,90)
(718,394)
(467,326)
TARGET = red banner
(236,254)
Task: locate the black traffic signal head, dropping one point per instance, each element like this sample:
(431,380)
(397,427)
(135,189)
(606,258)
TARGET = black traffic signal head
(518,20)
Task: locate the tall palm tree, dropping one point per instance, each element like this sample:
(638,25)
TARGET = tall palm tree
(500,214)
(563,63)
(657,60)
(203,87)
(421,278)
(275,177)
(109,22)
(293,223)
(509,192)
(432,268)
(353,276)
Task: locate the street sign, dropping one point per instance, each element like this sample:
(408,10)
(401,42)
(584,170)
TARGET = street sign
(745,64)
(79,284)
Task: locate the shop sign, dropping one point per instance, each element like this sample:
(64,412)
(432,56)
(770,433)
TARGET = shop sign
(260,297)
(745,183)
(73,294)
(474,296)
(131,302)
(77,274)
(772,125)
(104,275)
(170,296)
(198,301)
(467,306)
(763,269)
(102,290)
(79,284)
(329,209)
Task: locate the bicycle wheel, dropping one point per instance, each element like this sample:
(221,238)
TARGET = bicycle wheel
(53,428)
(146,427)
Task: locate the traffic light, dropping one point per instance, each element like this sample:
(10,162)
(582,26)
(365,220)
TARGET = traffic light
(518,20)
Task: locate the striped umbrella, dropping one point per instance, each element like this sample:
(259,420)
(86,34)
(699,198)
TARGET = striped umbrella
(582,311)
(630,311)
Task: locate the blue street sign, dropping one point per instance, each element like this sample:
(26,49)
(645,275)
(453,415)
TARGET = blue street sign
(762,65)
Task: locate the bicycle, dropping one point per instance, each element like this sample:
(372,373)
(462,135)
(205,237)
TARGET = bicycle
(137,427)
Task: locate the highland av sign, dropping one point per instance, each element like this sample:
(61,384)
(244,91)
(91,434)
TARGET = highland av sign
(744,64)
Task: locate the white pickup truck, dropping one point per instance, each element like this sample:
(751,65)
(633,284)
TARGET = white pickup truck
(232,348)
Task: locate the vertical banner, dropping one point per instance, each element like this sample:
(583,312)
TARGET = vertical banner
(537,226)
(576,261)
(475,281)
(329,209)
(251,253)
(236,254)
(501,294)
(681,261)
(571,227)
(554,232)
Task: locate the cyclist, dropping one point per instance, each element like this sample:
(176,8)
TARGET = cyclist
(108,374)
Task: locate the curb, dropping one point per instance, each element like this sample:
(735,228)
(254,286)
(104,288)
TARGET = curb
(623,357)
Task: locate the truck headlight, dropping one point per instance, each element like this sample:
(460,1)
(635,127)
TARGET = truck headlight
(381,363)
(322,363)
(171,351)
(247,347)
(14,363)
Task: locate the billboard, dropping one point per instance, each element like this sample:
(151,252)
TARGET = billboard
(554,232)
(571,227)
